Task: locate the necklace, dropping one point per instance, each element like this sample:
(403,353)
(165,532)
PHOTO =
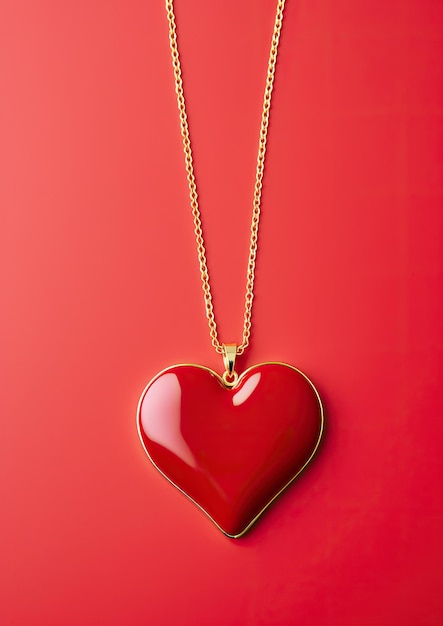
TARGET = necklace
(231,443)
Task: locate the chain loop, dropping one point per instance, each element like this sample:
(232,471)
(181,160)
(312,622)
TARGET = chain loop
(193,195)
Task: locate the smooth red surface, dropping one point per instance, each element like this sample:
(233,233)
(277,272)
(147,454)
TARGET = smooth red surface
(100,290)
(231,450)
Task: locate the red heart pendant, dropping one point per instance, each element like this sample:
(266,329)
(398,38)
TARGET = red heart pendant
(231,450)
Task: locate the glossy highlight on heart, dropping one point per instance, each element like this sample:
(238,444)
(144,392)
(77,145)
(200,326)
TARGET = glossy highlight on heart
(231,450)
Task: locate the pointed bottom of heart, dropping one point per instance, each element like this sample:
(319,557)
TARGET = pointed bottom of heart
(231,451)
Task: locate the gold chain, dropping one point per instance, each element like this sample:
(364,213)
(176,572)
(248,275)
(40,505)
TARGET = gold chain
(219,347)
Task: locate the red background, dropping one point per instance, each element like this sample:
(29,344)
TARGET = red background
(100,290)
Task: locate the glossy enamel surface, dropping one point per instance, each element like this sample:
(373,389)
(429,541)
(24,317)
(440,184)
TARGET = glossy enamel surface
(231,451)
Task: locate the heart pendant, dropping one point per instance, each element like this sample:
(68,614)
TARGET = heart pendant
(230,449)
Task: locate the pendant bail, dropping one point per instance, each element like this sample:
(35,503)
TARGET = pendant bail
(230,376)
(229,356)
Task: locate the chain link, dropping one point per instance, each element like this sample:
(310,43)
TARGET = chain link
(193,195)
